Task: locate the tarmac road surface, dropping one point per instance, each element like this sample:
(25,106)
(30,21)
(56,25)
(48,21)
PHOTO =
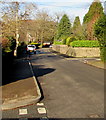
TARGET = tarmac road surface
(70,88)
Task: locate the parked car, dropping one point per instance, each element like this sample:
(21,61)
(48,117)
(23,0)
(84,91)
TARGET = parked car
(46,44)
(31,48)
(50,46)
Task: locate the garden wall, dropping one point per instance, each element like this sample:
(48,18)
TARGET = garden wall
(77,51)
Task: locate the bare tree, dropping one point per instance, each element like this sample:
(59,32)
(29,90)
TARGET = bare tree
(12,15)
(46,27)
(58,16)
(25,19)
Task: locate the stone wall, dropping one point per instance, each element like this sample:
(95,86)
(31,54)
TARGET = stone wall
(77,51)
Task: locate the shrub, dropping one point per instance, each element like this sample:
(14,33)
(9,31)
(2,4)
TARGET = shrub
(85,43)
(69,40)
(103,54)
(5,42)
(12,43)
(63,38)
(36,44)
(58,43)
(8,46)
(33,43)
(100,33)
(64,41)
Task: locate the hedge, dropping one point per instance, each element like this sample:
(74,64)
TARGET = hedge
(33,43)
(69,40)
(58,43)
(85,43)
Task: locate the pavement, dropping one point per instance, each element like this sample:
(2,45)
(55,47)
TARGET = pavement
(97,63)
(23,90)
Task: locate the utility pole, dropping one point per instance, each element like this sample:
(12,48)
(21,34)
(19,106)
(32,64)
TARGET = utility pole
(17,34)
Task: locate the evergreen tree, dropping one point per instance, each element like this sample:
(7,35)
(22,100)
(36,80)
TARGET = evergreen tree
(76,23)
(95,11)
(64,28)
(100,33)
(77,29)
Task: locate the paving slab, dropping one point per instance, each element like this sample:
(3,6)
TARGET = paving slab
(23,90)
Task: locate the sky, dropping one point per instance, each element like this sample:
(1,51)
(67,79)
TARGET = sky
(72,8)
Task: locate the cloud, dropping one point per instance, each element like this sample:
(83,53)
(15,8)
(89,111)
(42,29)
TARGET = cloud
(71,7)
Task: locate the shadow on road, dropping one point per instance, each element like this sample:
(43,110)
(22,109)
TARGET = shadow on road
(20,70)
(39,70)
(17,71)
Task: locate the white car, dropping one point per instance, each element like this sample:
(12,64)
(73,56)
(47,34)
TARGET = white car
(31,48)
(50,46)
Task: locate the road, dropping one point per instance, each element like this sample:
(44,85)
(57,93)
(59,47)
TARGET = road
(70,88)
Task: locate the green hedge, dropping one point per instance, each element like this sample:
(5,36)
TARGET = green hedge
(33,43)
(85,43)
(69,40)
(58,43)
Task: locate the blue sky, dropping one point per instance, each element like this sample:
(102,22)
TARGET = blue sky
(71,7)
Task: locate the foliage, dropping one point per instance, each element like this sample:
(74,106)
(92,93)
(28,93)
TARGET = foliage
(12,42)
(4,42)
(95,8)
(12,16)
(58,43)
(5,45)
(100,33)
(77,29)
(100,30)
(85,43)
(63,39)
(41,28)
(76,23)
(36,44)
(103,54)
(64,27)
(44,27)
(94,13)
(33,43)
(70,39)
(8,44)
